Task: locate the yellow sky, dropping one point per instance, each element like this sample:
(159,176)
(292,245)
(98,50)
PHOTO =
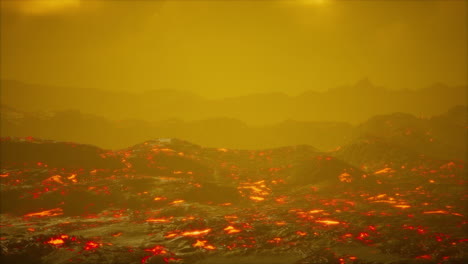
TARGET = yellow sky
(226,48)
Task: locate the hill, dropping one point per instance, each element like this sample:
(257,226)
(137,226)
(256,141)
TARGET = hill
(355,103)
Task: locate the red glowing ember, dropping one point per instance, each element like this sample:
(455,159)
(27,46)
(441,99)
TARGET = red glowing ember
(328,222)
(231,230)
(256,198)
(177,202)
(202,244)
(90,245)
(158,220)
(51,212)
(301,233)
(197,232)
(56,241)
(436,212)
(157,250)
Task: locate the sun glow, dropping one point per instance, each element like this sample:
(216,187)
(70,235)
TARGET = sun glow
(38,7)
(313,2)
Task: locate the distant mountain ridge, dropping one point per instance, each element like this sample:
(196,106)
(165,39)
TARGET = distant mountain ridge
(354,104)
(72,125)
(441,136)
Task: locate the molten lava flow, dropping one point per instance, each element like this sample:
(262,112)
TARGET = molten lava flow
(315,211)
(437,212)
(280,223)
(402,206)
(254,190)
(90,245)
(202,244)
(177,202)
(167,150)
(301,233)
(73,178)
(427,257)
(281,218)
(256,198)
(56,241)
(384,171)
(231,230)
(158,220)
(51,212)
(55,178)
(193,233)
(345,177)
(197,232)
(230,218)
(199,243)
(170,235)
(328,222)
(275,240)
(281,199)
(157,250)
(188,218)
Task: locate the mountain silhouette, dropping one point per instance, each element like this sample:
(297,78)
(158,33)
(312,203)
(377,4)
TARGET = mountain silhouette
(355,103)
(439,136)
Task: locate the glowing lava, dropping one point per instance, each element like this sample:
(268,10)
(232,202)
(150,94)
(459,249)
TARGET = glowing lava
(328,222)
(51,212)
(56,241)
(256,198)
(231,230)
(158,220)
(202,244)
(177,202)
(90,245)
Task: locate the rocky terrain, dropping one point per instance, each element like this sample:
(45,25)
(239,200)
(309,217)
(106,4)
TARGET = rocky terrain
(170,201)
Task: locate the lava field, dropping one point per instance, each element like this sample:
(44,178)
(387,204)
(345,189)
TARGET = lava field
(170,201)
